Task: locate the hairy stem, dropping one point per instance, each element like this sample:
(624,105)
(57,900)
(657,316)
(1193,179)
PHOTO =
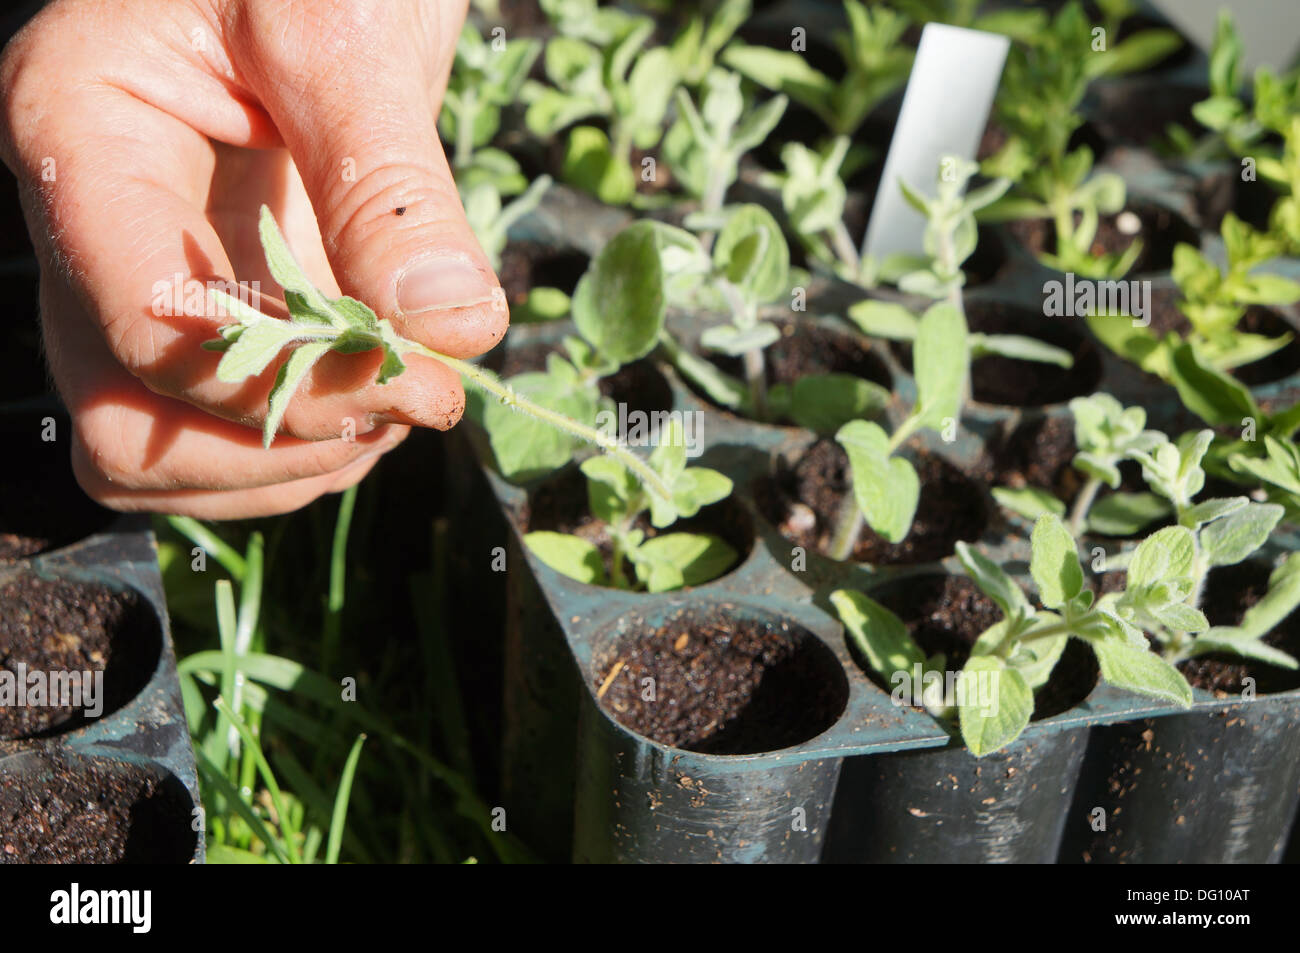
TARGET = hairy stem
(488,382)
(1082,504)
(848,527)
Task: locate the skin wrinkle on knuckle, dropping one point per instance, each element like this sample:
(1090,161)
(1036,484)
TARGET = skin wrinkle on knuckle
(365,207)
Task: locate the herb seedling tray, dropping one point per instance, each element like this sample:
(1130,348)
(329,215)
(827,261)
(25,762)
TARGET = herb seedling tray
(633,798)
(135,760)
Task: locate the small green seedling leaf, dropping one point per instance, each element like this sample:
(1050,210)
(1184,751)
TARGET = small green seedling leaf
(995,704)
(574,557)
(1055,562)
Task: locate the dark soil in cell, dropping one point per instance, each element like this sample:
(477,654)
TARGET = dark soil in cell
(526,265)
(1159,228)
(1016,383)
(1229,592)
(723,683)
(1141,115)
(639,385)
(1167,315)
(803,502)
(807,348)
(90,811)
(41,506)
(948,613)
(561,506)
(1040,452)
(59,625)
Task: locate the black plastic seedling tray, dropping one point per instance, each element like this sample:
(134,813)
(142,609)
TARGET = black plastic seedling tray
(881,782)
(128,775)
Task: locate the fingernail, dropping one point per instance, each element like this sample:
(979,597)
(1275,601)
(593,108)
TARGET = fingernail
(437,284)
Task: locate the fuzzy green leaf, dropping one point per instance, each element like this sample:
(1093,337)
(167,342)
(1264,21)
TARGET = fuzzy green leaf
(995,704)
(290,375)
(569,555)
(879,635)
(887,488)
(1055,562)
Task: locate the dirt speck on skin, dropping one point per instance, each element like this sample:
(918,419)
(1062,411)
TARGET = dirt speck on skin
(736,686)
(803,502)
(86,811)
(60,625)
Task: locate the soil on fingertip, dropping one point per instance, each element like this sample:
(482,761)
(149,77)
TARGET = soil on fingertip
(1159,228)
(803,502)
(91,811)
(48,626)
(561,505)
(724,683)
(948,613)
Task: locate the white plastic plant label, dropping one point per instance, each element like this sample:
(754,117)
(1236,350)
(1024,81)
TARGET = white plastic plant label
(1266,27)
(945,109)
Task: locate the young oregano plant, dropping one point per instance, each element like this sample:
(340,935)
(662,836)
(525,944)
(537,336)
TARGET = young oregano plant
(1038,103)
(660,562)
(742,277)
(318,325)
(705,143)
(885,488)
(993,696)
(1105,435)
(618,311)
(951,235)
(697,46)
(1214,300)
(876,64)
(485,78)
(607,73)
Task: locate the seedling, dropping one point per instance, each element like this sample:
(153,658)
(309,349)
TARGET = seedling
(318,325)
(599,67)
(1238,127)
(950,238)
(1159,602)
(1105,435)
(695,49)
(1214,301)
(705,143)
(876,64)
(618,309)
(748,268)
(491,220)
(484,80)
(1038,104)
(660,563)
(993,697)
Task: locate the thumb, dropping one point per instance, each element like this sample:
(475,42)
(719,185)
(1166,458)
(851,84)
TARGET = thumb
(354,87)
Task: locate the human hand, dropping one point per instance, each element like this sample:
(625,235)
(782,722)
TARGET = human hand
(145,135)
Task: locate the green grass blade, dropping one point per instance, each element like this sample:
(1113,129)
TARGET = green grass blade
(340,816)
